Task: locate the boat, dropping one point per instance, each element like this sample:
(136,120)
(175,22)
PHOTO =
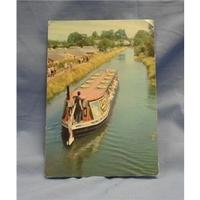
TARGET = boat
(96,96)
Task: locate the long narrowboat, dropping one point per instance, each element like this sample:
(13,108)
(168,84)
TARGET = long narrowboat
(95,99)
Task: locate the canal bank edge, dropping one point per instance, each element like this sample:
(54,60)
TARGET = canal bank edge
(60,81)
(150,64)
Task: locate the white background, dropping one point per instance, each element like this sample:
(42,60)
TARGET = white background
(192,100)
(8,101)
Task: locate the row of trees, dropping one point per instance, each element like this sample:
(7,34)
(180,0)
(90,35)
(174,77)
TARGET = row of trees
(105,40)
(143,42)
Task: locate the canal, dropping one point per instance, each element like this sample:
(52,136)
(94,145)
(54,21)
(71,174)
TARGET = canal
(125,146)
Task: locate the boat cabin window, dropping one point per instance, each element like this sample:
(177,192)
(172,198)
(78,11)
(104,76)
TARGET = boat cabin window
(103,104)
(98,107)
(95,108)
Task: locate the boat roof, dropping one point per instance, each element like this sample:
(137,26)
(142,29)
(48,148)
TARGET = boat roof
(96,86)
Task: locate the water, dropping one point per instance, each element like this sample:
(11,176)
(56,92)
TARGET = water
(125,146)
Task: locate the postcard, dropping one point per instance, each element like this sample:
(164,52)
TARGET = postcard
(101,103)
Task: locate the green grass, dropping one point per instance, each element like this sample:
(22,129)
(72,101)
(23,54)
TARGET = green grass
(149,62)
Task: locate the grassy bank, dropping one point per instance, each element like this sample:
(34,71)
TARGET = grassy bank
(60,81)
(149,62)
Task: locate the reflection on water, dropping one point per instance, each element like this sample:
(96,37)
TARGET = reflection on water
(89,142)
(151,103)
(82,149)
(125,146)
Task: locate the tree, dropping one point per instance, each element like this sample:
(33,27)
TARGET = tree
(104,44)
(144,43)
(65,44)
(89,41)
(53,44)
(95,35)
(151,30)
(108,35)
(77,39)
(120,35)
(74,38)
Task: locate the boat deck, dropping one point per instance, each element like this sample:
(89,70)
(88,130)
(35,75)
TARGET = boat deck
(96,86)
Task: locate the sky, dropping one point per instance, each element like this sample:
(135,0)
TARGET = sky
(59,30)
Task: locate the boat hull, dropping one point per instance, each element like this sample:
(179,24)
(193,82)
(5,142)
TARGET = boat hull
(86,130)
(93,127)
(89,129)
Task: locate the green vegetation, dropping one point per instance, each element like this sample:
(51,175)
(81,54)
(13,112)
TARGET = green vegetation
(149,62)
(104,41)
(95,35)
(143,44)
(110,43)
(120,35)
(59,83)
(77,39)
(53,44)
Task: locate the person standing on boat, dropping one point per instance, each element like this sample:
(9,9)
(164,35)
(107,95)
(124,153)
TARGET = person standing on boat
(78,107)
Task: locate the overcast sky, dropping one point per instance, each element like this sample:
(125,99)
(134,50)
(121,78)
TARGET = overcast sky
(59,30)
